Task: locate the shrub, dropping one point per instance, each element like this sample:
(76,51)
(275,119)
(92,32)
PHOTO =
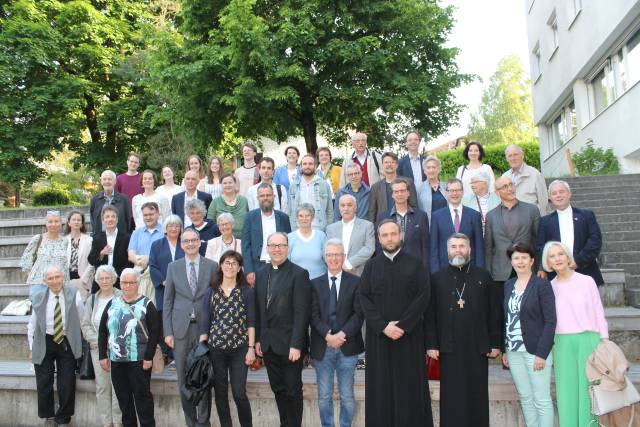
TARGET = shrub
(592,161)
(493,156)
(51,197)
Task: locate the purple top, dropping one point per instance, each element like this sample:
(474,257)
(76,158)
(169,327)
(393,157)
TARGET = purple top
(129,185)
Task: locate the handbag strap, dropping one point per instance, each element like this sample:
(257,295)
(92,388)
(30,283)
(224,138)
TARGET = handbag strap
(35,251)
(144,330)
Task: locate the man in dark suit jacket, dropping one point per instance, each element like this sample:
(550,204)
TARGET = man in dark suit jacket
(410,166)
(283,296)
(576,228)
(413,222)
(258,225)
(380,196)
(109,197)
(336,337)
(443,225)
(109,247)
(191,192)
(187,281)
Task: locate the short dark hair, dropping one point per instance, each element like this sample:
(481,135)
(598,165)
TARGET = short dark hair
(388,221)
(394,156)
(521,247)
(83,227)
(327,149)
(291,147)
(465,153)
(153,174)
(150,205)
(250,145)
(269,160)
(228,175)
(412,131)
(216,280)
(109,208)
(401,180)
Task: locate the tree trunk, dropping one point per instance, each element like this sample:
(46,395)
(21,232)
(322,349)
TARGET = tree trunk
(92,120)
(308,125)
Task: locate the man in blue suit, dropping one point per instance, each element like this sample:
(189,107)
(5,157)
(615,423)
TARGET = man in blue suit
(410,166)
(455,218)
(191,192)
(259,224)
(576,228)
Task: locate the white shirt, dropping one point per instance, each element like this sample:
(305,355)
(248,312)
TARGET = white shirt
(173,251)
(99,305)
(268,228)
(51,306)
(111,241)
(254,203)
(565,221)
(338,281)
(417,171)
(306,191)
(292,173)
(187,199)
(362,157)
(347,231)
(453,214)
(188,262)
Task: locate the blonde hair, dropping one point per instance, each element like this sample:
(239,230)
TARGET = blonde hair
(545,254)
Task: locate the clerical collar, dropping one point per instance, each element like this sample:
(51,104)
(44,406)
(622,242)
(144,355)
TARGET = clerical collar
(277,267)
(391,256)
(465,267)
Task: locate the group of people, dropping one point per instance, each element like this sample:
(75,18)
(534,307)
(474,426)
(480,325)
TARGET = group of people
(313,258)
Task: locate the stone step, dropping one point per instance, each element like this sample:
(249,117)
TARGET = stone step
(616,217)
(612,292)
(599,180)
(611,194)
(621,201)
(630,268)
(38,212)
(11,292)
(620,246)
(604,189)
(10,271)
(612,209)
(621,226)
(632,295)
(13,246)
(621,257)
(620,236)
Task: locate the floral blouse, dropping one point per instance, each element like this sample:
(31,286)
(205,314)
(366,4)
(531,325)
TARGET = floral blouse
(50,252)
(226,319)
(514,341)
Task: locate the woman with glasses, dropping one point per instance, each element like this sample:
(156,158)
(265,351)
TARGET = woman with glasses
(227,324)
(226,241)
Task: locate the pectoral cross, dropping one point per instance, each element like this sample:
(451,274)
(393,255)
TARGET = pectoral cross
(460,303)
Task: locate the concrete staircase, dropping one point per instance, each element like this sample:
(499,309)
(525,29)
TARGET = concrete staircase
(616,203)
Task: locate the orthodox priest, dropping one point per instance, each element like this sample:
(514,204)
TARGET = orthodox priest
(463,330)
(394,294)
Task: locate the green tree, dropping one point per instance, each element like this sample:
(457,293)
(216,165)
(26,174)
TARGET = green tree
(505,112)
(291,67)
(71,74)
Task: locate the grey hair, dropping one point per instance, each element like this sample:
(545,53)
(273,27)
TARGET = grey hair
(278,233)
(50,268)
(110,172)
(559,182)
(225,216)
(189,230)
(351,196)
(458,236)
(353,166)
(481,176)
(359,135)
(195,204)
(306,207)
(264,185)
(516,146)
(133,271)
(431,159)
(107,269)
(172,220)
(334,241)
(545,254)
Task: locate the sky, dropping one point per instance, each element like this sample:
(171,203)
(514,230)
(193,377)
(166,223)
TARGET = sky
(485,31)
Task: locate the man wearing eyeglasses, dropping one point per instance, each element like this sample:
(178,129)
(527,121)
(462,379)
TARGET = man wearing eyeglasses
(512,221)
(455,218)
(358,189)
(283,295)
(187,281)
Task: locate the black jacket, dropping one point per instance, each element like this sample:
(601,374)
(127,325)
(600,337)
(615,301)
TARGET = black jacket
(120,254)
(198,374)
(349,316)
(537,314)
(121,202)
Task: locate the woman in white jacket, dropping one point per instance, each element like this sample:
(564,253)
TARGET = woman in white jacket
(80,271)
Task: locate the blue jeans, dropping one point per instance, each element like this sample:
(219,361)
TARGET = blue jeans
(534,388)
(344,367)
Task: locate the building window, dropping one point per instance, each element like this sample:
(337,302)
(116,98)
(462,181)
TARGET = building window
(563,127)
(632,48)
(577,7)
(552,22)
(535,62)
(603,88)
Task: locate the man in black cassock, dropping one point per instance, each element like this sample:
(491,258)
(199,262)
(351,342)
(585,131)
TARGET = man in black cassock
(463,330)
(394,294)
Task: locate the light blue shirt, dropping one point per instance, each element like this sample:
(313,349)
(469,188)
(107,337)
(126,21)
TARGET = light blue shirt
(308,253)
(142,238)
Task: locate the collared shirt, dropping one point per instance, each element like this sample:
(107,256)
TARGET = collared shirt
(142,238)
(338,281)
(268,228)
(417,170)
(188,262)
(401,219)
(565,222)
(391,256)
(362,199)
(347,231)
(172,249)
(453,214)
(510,217)
(187,199)
(51,306)
(306,191)
(111,241)
(516,174)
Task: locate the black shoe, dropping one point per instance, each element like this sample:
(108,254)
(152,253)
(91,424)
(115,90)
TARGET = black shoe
(361,364)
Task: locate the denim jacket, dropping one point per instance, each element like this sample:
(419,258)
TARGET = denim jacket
(321,202)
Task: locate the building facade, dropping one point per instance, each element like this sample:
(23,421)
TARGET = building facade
(585,75)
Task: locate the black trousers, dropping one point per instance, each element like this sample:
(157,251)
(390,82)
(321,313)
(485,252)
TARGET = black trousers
(229,364)
(285,378)
(58,359)
(132,385)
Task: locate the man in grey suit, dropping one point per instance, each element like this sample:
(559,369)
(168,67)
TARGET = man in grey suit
(357,235)
(187,281)
(512,221)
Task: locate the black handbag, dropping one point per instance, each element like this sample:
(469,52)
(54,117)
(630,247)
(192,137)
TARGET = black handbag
(86,365)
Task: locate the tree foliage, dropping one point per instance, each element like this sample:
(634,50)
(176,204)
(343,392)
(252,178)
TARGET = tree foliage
(285,68)
(505,112)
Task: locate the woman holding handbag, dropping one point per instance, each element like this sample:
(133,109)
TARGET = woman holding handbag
(227,323)
(530,323)
(108,408)
(581,324)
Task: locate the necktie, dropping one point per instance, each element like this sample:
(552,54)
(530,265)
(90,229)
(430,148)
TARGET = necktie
(193,278)
(58,331)
(456,221)
(333,304)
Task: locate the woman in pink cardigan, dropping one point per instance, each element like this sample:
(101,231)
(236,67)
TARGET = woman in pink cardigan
(580,326)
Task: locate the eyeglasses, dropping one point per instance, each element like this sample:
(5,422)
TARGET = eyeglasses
(128,283)
(277,245)
(104,279)
(230,264)
(504,187)
(353,174)
(338,255)
(457,190)
(187,241)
